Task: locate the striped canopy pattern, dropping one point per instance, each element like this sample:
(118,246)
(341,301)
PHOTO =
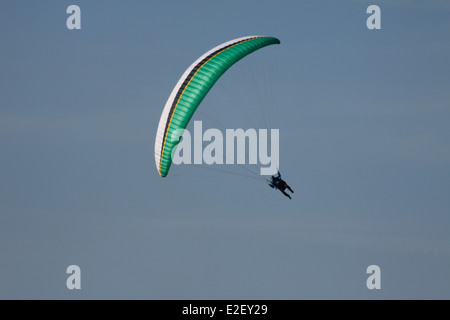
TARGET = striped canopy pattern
(193,86)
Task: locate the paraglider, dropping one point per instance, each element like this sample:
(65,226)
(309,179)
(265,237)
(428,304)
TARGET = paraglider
(277,183)
(191,89)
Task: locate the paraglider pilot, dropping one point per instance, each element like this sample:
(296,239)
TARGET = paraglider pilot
(277,183)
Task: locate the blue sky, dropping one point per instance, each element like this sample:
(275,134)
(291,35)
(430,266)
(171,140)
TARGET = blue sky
(364,137)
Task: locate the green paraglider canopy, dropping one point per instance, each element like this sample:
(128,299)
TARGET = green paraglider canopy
(193,86)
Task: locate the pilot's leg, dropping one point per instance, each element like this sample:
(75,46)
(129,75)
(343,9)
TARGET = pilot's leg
(286,194)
